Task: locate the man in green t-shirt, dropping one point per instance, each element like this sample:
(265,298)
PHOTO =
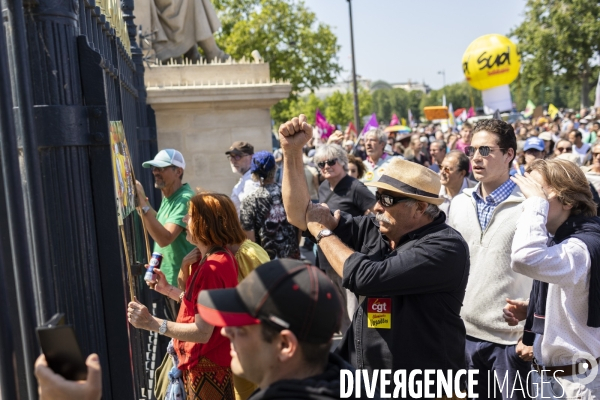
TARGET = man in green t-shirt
(166,226)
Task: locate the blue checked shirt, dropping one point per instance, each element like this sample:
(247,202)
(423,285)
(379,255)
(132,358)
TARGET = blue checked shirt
(486,207)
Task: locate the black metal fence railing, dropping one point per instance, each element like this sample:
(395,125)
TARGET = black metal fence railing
(68,68)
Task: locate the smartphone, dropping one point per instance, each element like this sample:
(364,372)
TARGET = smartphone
(59,345)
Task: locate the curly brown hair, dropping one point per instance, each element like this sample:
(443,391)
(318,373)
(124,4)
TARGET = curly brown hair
(360,166)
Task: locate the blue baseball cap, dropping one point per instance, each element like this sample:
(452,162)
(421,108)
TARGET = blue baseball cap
(534,143)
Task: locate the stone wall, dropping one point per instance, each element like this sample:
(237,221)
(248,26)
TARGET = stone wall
(202,109)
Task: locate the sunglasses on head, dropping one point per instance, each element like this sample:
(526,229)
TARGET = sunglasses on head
(387,201)
(330,163)
(484,151)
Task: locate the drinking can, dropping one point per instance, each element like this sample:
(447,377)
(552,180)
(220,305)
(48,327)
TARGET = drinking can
(155,261)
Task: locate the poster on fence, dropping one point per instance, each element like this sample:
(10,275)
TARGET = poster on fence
(122,171)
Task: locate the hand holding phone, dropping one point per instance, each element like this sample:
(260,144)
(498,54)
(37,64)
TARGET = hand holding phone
(60,347)
(52,386)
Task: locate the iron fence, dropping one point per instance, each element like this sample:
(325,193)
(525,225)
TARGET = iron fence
(68,68)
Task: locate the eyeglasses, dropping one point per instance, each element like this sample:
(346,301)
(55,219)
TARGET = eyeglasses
(236,157)
(330,163)
(564,149)
(484,151)
(387,201)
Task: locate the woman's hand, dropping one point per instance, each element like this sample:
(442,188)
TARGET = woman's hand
(160,283)
(139,316)
(192,257)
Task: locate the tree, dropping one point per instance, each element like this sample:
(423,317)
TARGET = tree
(560,38)
(288,36)
(459,94)
(339,107)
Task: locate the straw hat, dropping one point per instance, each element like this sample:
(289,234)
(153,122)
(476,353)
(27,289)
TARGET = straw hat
(411,180)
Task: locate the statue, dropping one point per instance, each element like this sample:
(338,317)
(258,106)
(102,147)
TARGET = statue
(180,26)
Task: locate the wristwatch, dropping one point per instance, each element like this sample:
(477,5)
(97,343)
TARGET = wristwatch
(163,327)
(145,209)
(322,234)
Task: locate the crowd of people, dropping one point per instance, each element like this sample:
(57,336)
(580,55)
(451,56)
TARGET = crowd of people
(471,249)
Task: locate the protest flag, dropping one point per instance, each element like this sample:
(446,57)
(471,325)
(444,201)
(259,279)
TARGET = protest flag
(471,113)
(325,128)
(451,122)
(411,122)
(552,111)
(529,108)
(394,120)
(371,124)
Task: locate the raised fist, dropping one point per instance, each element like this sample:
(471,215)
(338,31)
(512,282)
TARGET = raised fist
(294,134)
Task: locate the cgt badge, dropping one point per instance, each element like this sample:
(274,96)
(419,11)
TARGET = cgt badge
(379,313)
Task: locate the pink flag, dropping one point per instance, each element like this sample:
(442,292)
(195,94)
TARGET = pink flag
(395,120)
(471,113)
(371,124)
(325,127)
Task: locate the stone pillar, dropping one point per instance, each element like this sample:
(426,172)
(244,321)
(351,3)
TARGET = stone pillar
(202,108)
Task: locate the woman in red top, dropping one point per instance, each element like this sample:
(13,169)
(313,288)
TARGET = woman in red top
(203,354)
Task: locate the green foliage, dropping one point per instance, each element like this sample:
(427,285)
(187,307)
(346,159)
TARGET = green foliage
(387,102)
(559,38)
(338,108)
(288,36)
(556,91)
(459,94)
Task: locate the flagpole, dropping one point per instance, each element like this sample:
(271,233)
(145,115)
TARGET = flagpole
(356,114)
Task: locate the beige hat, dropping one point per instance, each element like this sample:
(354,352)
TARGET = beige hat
(574,158)
(545,136)
(410,179)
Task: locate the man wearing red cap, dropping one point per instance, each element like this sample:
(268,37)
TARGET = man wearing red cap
(280,321)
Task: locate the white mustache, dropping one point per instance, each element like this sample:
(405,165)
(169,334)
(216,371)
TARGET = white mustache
(382,218)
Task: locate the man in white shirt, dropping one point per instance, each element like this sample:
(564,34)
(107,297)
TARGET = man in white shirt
(453,177)
(240,157)
(563,317)
(579,148)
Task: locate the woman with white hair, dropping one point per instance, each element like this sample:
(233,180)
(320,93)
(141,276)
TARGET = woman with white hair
(341,192)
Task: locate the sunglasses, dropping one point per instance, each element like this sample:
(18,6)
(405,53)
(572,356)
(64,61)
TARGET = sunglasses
(595,154)
(236,157)
(484,151)
(387,201)
(330,163)
(564,149)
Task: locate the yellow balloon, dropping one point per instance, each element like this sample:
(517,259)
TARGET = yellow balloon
(490,61)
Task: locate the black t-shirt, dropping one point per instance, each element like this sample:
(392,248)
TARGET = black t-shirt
(351,196)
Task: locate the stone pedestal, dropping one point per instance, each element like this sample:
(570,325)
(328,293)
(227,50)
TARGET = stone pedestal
(202,108)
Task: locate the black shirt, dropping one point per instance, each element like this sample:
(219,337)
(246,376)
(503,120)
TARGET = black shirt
(349,195)
(423,280)
(323,386)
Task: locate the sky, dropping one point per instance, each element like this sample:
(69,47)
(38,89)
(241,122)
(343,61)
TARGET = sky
(398,40)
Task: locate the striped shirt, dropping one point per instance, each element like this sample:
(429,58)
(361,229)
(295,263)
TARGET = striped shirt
(486,207)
